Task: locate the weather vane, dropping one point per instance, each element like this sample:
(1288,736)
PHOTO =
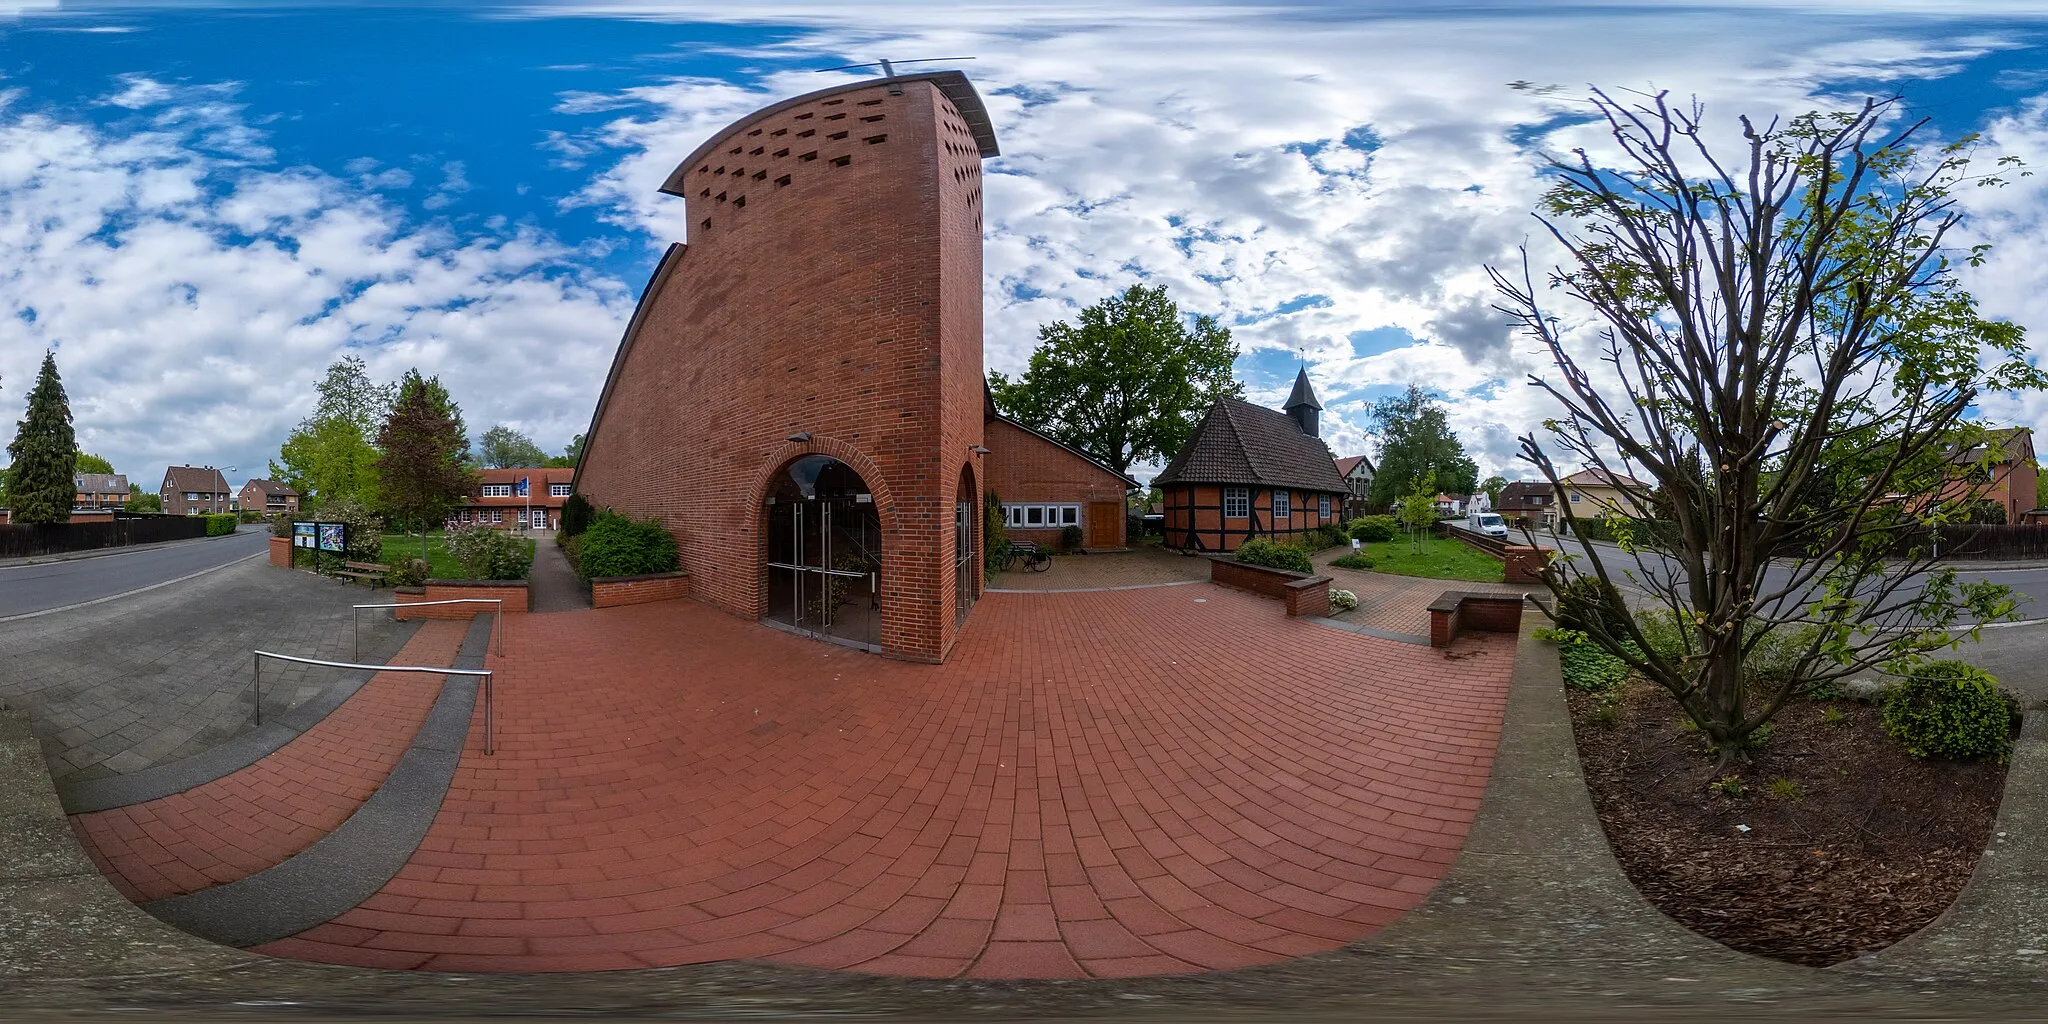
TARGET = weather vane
(889,68)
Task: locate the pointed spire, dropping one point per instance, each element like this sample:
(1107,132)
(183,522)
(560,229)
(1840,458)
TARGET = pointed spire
(1302,406)
(1304,393)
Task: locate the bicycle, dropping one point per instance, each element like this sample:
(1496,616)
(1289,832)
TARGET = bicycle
(1034,560)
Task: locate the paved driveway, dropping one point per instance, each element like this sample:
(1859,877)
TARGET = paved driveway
(1111,783)
(58,584)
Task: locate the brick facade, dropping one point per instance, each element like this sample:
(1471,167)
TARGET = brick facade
(1026,468)
(268,497)
(190,490)
(540,508)
(1195,519)
(828,302)
(613,591)
(1459,612)
(513,593)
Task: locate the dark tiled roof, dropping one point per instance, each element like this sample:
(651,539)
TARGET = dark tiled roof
(1517,493)
(101,483)
(1304,393)
(201,479)
(1241,443)
(2015,442)
(271,487)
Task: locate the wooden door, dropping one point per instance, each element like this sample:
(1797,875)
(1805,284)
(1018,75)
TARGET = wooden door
(1105,524)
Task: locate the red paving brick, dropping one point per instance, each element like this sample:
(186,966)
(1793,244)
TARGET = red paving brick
(1111,784)
(258,817)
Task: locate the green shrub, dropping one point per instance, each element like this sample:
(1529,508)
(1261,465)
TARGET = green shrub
(488,554)
(1325,537)
(365,535)
(1263,551)
(576,513)
(221,524)
(1585,666)
(1950,709)
(617,546)
(995,549)
(572,549)
(1070,538)
(1354,560)
(249,515)
(281,526)
(410,573)
(1374,529)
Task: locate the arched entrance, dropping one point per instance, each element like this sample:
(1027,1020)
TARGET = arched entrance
(966,553)
(824,553)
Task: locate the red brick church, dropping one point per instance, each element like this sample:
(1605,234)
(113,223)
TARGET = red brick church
(800,396)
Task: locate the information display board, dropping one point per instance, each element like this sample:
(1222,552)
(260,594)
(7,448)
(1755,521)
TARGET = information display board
(333,537)
(302,535)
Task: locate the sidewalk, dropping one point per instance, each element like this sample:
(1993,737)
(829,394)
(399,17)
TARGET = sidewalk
(552,586)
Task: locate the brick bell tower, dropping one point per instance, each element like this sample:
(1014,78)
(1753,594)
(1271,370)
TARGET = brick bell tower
(798,397)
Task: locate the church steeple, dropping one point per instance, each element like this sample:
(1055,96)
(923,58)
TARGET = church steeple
(1302,406)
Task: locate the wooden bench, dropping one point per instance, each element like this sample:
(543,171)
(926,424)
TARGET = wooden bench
(371,571)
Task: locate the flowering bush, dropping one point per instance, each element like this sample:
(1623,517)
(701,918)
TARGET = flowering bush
(1343,600)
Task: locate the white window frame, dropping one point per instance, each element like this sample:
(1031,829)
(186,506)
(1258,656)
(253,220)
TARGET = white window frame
(1049,516)
(497,490)
(1283,505)
(558,490)
(1241,499)
(1323,505)
(497,515)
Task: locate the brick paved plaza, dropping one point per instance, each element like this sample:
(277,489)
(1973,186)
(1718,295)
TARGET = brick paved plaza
(1113,783)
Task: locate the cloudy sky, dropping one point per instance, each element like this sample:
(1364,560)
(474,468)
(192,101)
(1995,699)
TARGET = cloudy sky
(201,207)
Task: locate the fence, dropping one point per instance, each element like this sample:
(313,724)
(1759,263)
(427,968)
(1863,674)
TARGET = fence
(2026,540)
(1495,546)
(23,541)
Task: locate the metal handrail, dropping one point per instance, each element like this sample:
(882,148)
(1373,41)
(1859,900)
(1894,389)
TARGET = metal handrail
(256,662)
(497,620)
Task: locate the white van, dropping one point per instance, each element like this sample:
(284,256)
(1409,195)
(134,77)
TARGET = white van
(1488,523)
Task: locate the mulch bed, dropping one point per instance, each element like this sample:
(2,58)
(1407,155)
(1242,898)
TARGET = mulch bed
(1866,844)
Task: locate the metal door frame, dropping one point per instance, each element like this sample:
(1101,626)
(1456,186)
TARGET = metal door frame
(798,573)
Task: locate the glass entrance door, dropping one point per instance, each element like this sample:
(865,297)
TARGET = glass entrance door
(825,553)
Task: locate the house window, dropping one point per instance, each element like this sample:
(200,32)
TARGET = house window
(1041,517)
(522,517)
(497,490)
(1034,515)
(1323,506)
(558,490)
(497,515)
(191,495)
(1237,502)
(1575,497)
(1282,506)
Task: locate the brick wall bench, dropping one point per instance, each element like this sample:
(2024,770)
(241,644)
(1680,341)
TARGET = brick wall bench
(1458,612)
(613,591)
(512,592)
(1304,594)
(1525,564)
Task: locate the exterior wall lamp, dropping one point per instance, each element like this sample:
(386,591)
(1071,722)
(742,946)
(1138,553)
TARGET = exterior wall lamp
(978,450)
(800,436)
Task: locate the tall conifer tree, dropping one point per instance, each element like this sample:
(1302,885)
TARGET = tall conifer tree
(44,453)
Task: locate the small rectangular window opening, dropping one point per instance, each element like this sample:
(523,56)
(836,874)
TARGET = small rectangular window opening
(876,139)
(841,161)
(784,180)
(836,136)
(808,156)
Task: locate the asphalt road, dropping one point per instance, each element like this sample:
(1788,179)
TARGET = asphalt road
(46,585)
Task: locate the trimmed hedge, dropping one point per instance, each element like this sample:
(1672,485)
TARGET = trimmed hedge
(221,524)
(1373,529)
(576,515)
(617,546)
(1354,560)
(1261,551)
(1950,709)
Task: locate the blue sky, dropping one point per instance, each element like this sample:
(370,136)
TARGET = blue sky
(201,207)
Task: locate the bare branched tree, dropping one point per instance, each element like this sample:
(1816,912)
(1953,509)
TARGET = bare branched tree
(1790,364)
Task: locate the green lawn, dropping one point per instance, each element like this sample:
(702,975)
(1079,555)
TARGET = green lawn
(1439,559)
(398,547)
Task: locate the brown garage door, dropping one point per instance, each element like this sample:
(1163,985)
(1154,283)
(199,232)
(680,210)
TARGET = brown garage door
(1105,524)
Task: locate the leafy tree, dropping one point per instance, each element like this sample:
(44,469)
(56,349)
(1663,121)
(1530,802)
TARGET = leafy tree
(1493,485)
(45,453)
(1784,344)
(328,456)
(421,473)
(140,500)
(1416,439)
(1417,509)
(1126,385)
(87,462)
(569,456)
(502,447)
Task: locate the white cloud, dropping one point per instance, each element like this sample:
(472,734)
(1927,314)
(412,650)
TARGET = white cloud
(193,297)
(1209,153)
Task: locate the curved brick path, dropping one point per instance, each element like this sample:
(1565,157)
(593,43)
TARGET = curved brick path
(235,826)
(1115,783)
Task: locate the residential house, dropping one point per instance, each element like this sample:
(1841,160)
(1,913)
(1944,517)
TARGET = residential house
(1249,471)
(269,497)
(2001,470)
(190,490)
(99,491)
(1528,503)
(1592,493)
(527,497)
(1357,472)
(1450,506)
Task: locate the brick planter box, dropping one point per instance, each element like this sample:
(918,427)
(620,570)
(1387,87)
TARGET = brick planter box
(1305,594)
(281,552)
(512,592)
(1525,564)
(613,591)
(1458,612)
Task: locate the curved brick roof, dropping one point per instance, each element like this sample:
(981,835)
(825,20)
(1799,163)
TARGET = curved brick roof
(1241,443)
